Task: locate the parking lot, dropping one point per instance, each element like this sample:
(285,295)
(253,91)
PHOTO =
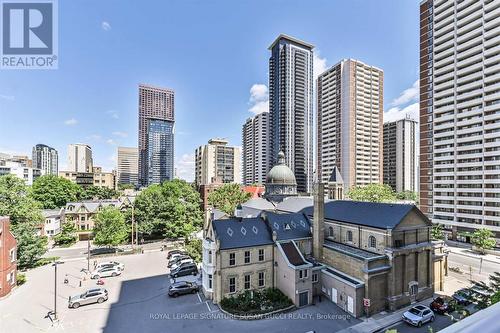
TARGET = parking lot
(138,302)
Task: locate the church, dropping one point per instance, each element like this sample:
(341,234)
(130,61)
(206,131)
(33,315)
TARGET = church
(364,257)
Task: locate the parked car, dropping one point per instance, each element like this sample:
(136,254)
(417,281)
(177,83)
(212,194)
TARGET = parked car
(462,296)
(418,315)
(182,263)
(96,295)
(105,272)
(182,288)
(177,259)
(441,305)
(107,264)
(187,269)
(104,250)
(176,251)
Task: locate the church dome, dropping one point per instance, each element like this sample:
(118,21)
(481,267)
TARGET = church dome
(280,174)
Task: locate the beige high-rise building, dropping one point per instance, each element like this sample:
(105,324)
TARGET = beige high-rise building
(216,162)
(256,149)
(127,165)
(460,115)
(350,119)
(104,179)
(80,158)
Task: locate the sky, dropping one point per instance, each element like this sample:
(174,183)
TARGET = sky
(212,53)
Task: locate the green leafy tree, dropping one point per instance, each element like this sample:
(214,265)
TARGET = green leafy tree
(100,193)
(25,216)
(372,193)
(407,196)
(485,294)
(170,210)
(437,232)
(126,186)
(54,192)
(67,235)
(110,228)
(483,240)
(227,197)
(194,248)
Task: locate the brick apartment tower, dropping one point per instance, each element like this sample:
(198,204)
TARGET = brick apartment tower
(8,257)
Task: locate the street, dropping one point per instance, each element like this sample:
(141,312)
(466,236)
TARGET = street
(439,323)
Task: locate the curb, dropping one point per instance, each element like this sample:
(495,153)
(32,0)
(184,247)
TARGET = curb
(475,257)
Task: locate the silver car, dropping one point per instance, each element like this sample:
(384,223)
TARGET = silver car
(105,272)
(96,295)
(418,315)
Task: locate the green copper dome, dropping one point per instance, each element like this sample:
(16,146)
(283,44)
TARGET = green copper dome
(280,174)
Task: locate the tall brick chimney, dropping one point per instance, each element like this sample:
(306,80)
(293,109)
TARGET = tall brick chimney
(318,231)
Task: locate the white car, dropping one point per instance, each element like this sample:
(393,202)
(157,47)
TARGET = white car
(180,263)
(418,315)
(105,272)
(107,264)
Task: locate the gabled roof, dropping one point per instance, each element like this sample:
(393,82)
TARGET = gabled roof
(288,226)
(336,177)
(295,204)
(371,214)
(91,206)
(235,233)
(292,254)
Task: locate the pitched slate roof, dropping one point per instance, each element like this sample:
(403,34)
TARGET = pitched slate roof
(254,206)
(295,204)
(371,214)
(336,177)
(293,255)
(288,226)
(234,233)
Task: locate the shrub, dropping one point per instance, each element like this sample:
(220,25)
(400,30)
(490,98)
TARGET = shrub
(21,279)
(45,261)
(252,302)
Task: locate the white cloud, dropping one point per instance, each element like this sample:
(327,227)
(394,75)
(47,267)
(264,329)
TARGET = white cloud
(113,113)
(319,64)
(111,142)
(95,137)
(185,167)
(71,122)
(105,26)
(259,98)
(120,134)
(397,113)
(409,95)
(7,97)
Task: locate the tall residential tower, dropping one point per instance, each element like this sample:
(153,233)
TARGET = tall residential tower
(127,166)
(217,162)
(45,158)
(80,158)
(256,158)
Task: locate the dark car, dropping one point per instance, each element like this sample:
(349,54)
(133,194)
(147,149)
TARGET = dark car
(183,270)
(441,306)
(176,251)
(177,259)
(462,296)
(103,250)
(182,288)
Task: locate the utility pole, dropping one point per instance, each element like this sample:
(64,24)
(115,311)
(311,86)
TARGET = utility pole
(88,254)
(55,286)
(132,227)
(136,229)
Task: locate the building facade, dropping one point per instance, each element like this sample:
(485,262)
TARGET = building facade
(104,179)
(256,149)
(83,179)
(400,155)
(350,119)
(291,106)
(80,158)
(8,257)
(28,174)
(156,134)
(46,159)
(53,222)
(460,115)
(127,166)
(216,162)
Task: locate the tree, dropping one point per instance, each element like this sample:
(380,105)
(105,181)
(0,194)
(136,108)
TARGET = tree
(372,193)
(484,294)
(110,228)
(194,249)
(227,197)
(483,240)
(407,196)
(54,192)
(170,210)
(437,232)
(25,217)
(67,235)
(100,193)
(126,186)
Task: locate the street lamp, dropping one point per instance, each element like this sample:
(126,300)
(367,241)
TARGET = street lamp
(55,286)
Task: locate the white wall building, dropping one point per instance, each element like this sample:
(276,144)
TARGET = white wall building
(52,223)
(29,175)
(46,159)
(80,158)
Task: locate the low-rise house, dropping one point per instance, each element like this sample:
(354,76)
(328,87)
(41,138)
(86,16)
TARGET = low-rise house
(53,219)
(8,257)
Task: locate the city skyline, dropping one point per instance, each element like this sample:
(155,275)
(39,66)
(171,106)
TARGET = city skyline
(112,99)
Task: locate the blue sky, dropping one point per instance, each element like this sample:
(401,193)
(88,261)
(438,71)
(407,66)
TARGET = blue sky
(210,52)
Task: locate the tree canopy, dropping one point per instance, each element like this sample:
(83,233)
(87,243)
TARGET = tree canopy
(372,193)
(110,228)
(54,192)
(100,193)
(227,197)
(483,240)
(171,209)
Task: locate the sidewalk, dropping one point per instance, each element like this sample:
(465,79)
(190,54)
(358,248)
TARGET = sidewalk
(381,320)
(469,253)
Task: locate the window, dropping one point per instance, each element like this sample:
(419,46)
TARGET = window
(349,236)
(315,277)
(12,254)
(209,281)
(330,232)
(261,255)
(262,281)
(372,242)
(232,285)
(232,259)
(247,257)
(303,274)
(210,256)
(247,281)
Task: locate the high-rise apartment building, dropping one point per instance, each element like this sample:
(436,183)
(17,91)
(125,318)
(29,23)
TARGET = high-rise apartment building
(127,165)
(460,114)
(156,134)
(256,157)
(45,158)
(217,162)
(350,119)
(400,155)
(291,107)
(80,158)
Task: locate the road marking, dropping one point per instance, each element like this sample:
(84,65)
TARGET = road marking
(198,294)
(209,310)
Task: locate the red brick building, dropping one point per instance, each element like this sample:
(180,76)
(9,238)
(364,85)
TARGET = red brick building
(8,257)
